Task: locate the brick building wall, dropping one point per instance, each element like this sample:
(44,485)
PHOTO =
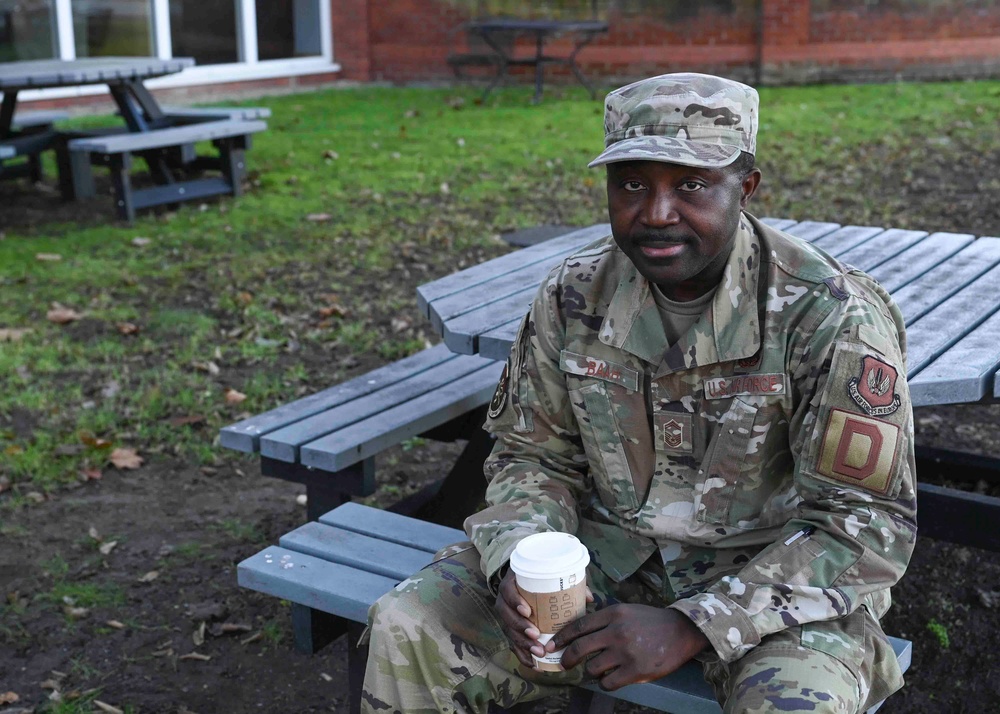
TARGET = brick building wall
(773,41)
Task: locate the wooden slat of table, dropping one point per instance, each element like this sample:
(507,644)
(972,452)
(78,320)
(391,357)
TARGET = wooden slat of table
(918,259)
(964,372)
(947,323)
(546,252)
(356,550)
(843,239)
(922,294)
(882,247)
(781,224)
(283,444)
(245,435)
(313,582)
(370,436)
(462,333)
(496,343)
(812,230)
(385,525)
(90,70)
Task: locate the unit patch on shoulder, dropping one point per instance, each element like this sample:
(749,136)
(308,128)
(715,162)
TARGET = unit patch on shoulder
(499,400)
(859,451)
(875,389)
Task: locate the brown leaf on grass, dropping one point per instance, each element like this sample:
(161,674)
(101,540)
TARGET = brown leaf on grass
(104,707)
(319,217)
(126,458)
(14,450)
(187,420)
(149,577)
(94,442)
(62,315)
(196,655)
(106,548)
(244,298)
(234,397)
(127,328)
(9,697)
(92,532)
(13,334)
(211,367)
(50,684)
(333,311)
(90,474)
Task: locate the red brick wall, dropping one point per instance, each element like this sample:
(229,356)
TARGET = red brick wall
(795,40)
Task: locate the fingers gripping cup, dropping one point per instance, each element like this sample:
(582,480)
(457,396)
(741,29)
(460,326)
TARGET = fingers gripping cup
(550,570)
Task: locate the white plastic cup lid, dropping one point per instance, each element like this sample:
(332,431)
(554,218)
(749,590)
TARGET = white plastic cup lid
(547,555)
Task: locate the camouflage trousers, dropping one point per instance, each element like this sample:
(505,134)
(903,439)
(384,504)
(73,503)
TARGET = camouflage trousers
(436,645)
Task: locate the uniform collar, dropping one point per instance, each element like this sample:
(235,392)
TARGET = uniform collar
(729,329)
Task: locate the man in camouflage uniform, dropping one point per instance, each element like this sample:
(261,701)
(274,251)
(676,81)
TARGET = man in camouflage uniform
(718,411)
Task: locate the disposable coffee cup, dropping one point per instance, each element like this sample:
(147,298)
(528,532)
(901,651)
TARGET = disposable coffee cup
(550,571)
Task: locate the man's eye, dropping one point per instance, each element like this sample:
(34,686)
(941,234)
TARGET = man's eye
(691,186)
(632,186)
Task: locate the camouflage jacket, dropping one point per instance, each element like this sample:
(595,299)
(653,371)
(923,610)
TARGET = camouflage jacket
(767,455)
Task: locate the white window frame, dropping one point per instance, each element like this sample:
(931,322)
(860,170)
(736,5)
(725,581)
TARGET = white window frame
(250,68)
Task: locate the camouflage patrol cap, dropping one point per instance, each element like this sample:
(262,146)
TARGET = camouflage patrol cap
(690,119)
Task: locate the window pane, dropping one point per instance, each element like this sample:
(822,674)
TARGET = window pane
(205,30)
(106,28)
(288,29)
(27,30)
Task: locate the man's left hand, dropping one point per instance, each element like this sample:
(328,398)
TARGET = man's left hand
(629,644)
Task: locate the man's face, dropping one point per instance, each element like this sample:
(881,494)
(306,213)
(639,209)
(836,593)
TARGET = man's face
(676,223)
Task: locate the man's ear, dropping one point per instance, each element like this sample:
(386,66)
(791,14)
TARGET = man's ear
(749,186)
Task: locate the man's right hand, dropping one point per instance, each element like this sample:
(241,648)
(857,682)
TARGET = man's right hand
(514,613)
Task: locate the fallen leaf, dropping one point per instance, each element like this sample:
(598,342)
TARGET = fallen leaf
(196,655)
(126,458)
(104,707)
(115,624)
(252,638)
(244,298)
(234,397)
(62,315)
(198,636)
(211,367)
(331,154)
(141,241)
(234,627)
(94,442)
(12,334)
(50,684)
(76,613)
(445,188)
(399,324)
(14,450)
(333,310)
(9,697)
(106,548)
(35,496)
(90,474)
(150,576)
(163,653)
(48,257)
(185,420)
(92,532)
(319,217)
(127,328)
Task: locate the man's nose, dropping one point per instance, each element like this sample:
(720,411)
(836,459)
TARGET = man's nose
(661,209)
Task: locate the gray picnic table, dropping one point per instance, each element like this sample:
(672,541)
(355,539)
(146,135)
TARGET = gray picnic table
(946,284)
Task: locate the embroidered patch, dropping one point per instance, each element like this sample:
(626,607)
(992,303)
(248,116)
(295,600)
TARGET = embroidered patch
(859,451)
(584,366)
(674,431)
(749,362)
(744,385)
(875,390)
(499,400)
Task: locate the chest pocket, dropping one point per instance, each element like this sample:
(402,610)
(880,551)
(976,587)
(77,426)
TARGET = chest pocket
(746,477)
(601,433)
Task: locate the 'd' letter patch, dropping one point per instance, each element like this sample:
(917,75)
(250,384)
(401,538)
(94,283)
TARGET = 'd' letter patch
(859,451)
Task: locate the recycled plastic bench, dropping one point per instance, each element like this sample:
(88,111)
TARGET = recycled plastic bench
(354,554)
(32,133)
(231,138)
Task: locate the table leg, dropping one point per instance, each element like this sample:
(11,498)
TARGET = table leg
(571,61)
(7,112)
(539,60)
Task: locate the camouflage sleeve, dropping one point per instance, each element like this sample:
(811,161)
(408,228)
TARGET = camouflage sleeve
(538,468)
(851,436)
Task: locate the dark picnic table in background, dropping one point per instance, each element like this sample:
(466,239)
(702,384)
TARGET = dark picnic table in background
(947,285)
(163,139)
(499,34)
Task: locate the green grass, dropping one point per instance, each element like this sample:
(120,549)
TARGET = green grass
(252,295)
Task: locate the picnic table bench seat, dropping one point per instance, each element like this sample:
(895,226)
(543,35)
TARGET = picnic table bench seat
(231,138)
(202,113)
(31,134)
(354,554)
